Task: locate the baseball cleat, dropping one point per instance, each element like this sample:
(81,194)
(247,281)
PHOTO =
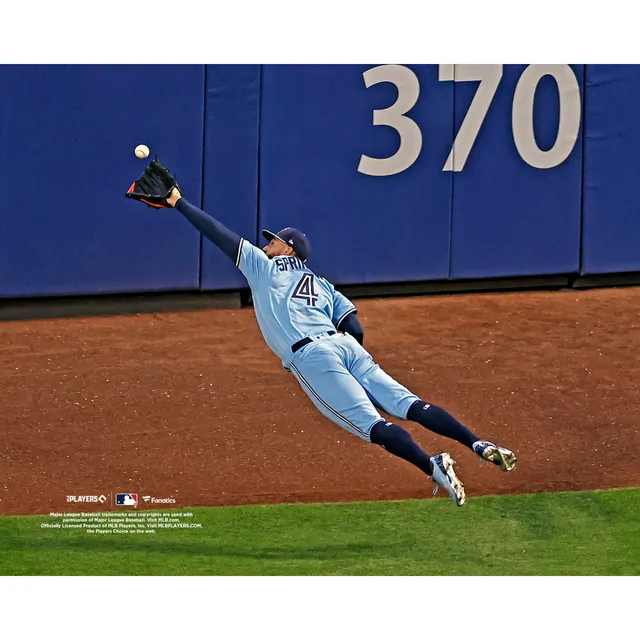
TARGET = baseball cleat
(501,457)
(445,476)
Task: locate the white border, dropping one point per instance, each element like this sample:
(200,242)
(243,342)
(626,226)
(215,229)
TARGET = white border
(322,608)
(335,31)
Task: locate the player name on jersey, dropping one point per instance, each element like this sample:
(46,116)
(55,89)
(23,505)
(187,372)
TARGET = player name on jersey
(289,263)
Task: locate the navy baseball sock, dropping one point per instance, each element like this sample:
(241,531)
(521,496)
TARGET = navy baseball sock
(399,442)
(439,421)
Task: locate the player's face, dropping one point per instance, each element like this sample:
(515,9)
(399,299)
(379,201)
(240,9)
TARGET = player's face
(277,248)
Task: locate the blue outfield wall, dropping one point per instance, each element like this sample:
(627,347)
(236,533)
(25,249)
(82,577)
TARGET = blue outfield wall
(230,183)
(486,207)
(511,218)
(611,222)
(67,135)
(316,124)
(397,173)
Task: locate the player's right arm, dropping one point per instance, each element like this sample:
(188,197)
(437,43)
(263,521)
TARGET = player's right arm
(351,325)
(344,316)
(248,258)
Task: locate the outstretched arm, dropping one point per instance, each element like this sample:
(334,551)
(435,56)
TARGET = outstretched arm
(224,238)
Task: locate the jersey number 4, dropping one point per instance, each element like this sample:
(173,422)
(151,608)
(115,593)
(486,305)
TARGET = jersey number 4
(305,290)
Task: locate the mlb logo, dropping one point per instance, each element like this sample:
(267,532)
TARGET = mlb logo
(127,499)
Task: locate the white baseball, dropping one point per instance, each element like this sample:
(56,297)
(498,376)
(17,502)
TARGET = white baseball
(141,151)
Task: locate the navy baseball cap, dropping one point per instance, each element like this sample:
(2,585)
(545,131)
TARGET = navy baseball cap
(294,238)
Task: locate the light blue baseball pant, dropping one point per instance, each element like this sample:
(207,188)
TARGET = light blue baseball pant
(347,386)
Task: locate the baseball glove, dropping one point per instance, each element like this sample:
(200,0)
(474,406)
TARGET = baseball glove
(154,186)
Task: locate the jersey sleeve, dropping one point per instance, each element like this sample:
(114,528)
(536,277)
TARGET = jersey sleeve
(342,307)
(252,262)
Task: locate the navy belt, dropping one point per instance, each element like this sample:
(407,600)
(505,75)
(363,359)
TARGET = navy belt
(305,341)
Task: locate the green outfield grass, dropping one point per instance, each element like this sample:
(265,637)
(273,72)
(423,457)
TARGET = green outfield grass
(581,533)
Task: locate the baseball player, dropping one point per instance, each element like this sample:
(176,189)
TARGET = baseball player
(315,332)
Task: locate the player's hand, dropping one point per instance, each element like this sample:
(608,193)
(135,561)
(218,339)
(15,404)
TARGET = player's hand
(174,197)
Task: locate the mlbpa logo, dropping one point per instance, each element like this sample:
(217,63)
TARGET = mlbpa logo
(127,499)
(101,499)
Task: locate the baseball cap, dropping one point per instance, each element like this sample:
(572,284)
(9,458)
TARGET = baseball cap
(294,238)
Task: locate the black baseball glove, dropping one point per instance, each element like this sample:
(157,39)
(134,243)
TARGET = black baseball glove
(154,186)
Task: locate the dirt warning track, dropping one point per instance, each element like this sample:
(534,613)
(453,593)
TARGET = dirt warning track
(193,405)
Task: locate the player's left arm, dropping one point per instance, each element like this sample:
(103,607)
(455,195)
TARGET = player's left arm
(252,262)
(227,240)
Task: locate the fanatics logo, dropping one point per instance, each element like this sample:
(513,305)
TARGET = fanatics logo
(159,500)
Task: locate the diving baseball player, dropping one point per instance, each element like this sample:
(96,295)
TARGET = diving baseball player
(315,332)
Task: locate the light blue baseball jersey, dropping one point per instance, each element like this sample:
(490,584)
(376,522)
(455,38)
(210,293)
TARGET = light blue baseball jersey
(337,373)
(290,301)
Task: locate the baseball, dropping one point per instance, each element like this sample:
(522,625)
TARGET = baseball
(141,151)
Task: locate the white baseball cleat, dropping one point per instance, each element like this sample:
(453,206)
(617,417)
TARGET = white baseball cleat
(501,457)
(445,476)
